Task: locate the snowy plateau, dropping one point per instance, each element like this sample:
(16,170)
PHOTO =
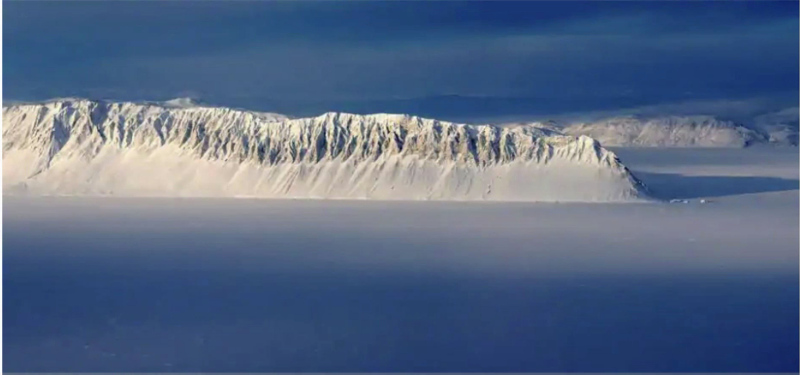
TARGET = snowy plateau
(177,149)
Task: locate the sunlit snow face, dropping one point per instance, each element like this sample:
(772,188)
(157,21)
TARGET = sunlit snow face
(84,147)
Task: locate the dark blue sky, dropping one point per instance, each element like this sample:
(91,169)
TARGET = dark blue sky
(446,59)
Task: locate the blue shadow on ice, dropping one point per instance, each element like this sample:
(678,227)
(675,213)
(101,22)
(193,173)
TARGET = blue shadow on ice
(678,186)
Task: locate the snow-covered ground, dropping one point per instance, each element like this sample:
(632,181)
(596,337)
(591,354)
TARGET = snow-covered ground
(707,283)
(737,176)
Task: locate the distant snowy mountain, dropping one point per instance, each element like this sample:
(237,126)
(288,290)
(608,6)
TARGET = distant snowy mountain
(78,146)
(181,103)
(673,131)
(684,131)
(782,126)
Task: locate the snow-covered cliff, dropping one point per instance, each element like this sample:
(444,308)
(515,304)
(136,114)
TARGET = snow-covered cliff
(76,146)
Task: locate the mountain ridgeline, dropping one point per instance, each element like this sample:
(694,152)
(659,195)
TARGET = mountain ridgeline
(84,147)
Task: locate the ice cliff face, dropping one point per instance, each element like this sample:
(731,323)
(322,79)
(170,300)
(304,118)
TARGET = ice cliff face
(673,131)
(89,147)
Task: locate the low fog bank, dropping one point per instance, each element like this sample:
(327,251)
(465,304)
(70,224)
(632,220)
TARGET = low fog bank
(507,239)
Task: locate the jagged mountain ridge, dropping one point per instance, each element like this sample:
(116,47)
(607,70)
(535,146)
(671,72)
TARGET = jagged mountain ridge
(94,147)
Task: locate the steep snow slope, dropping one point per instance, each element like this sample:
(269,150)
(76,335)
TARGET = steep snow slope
(673,131)
(89,147)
